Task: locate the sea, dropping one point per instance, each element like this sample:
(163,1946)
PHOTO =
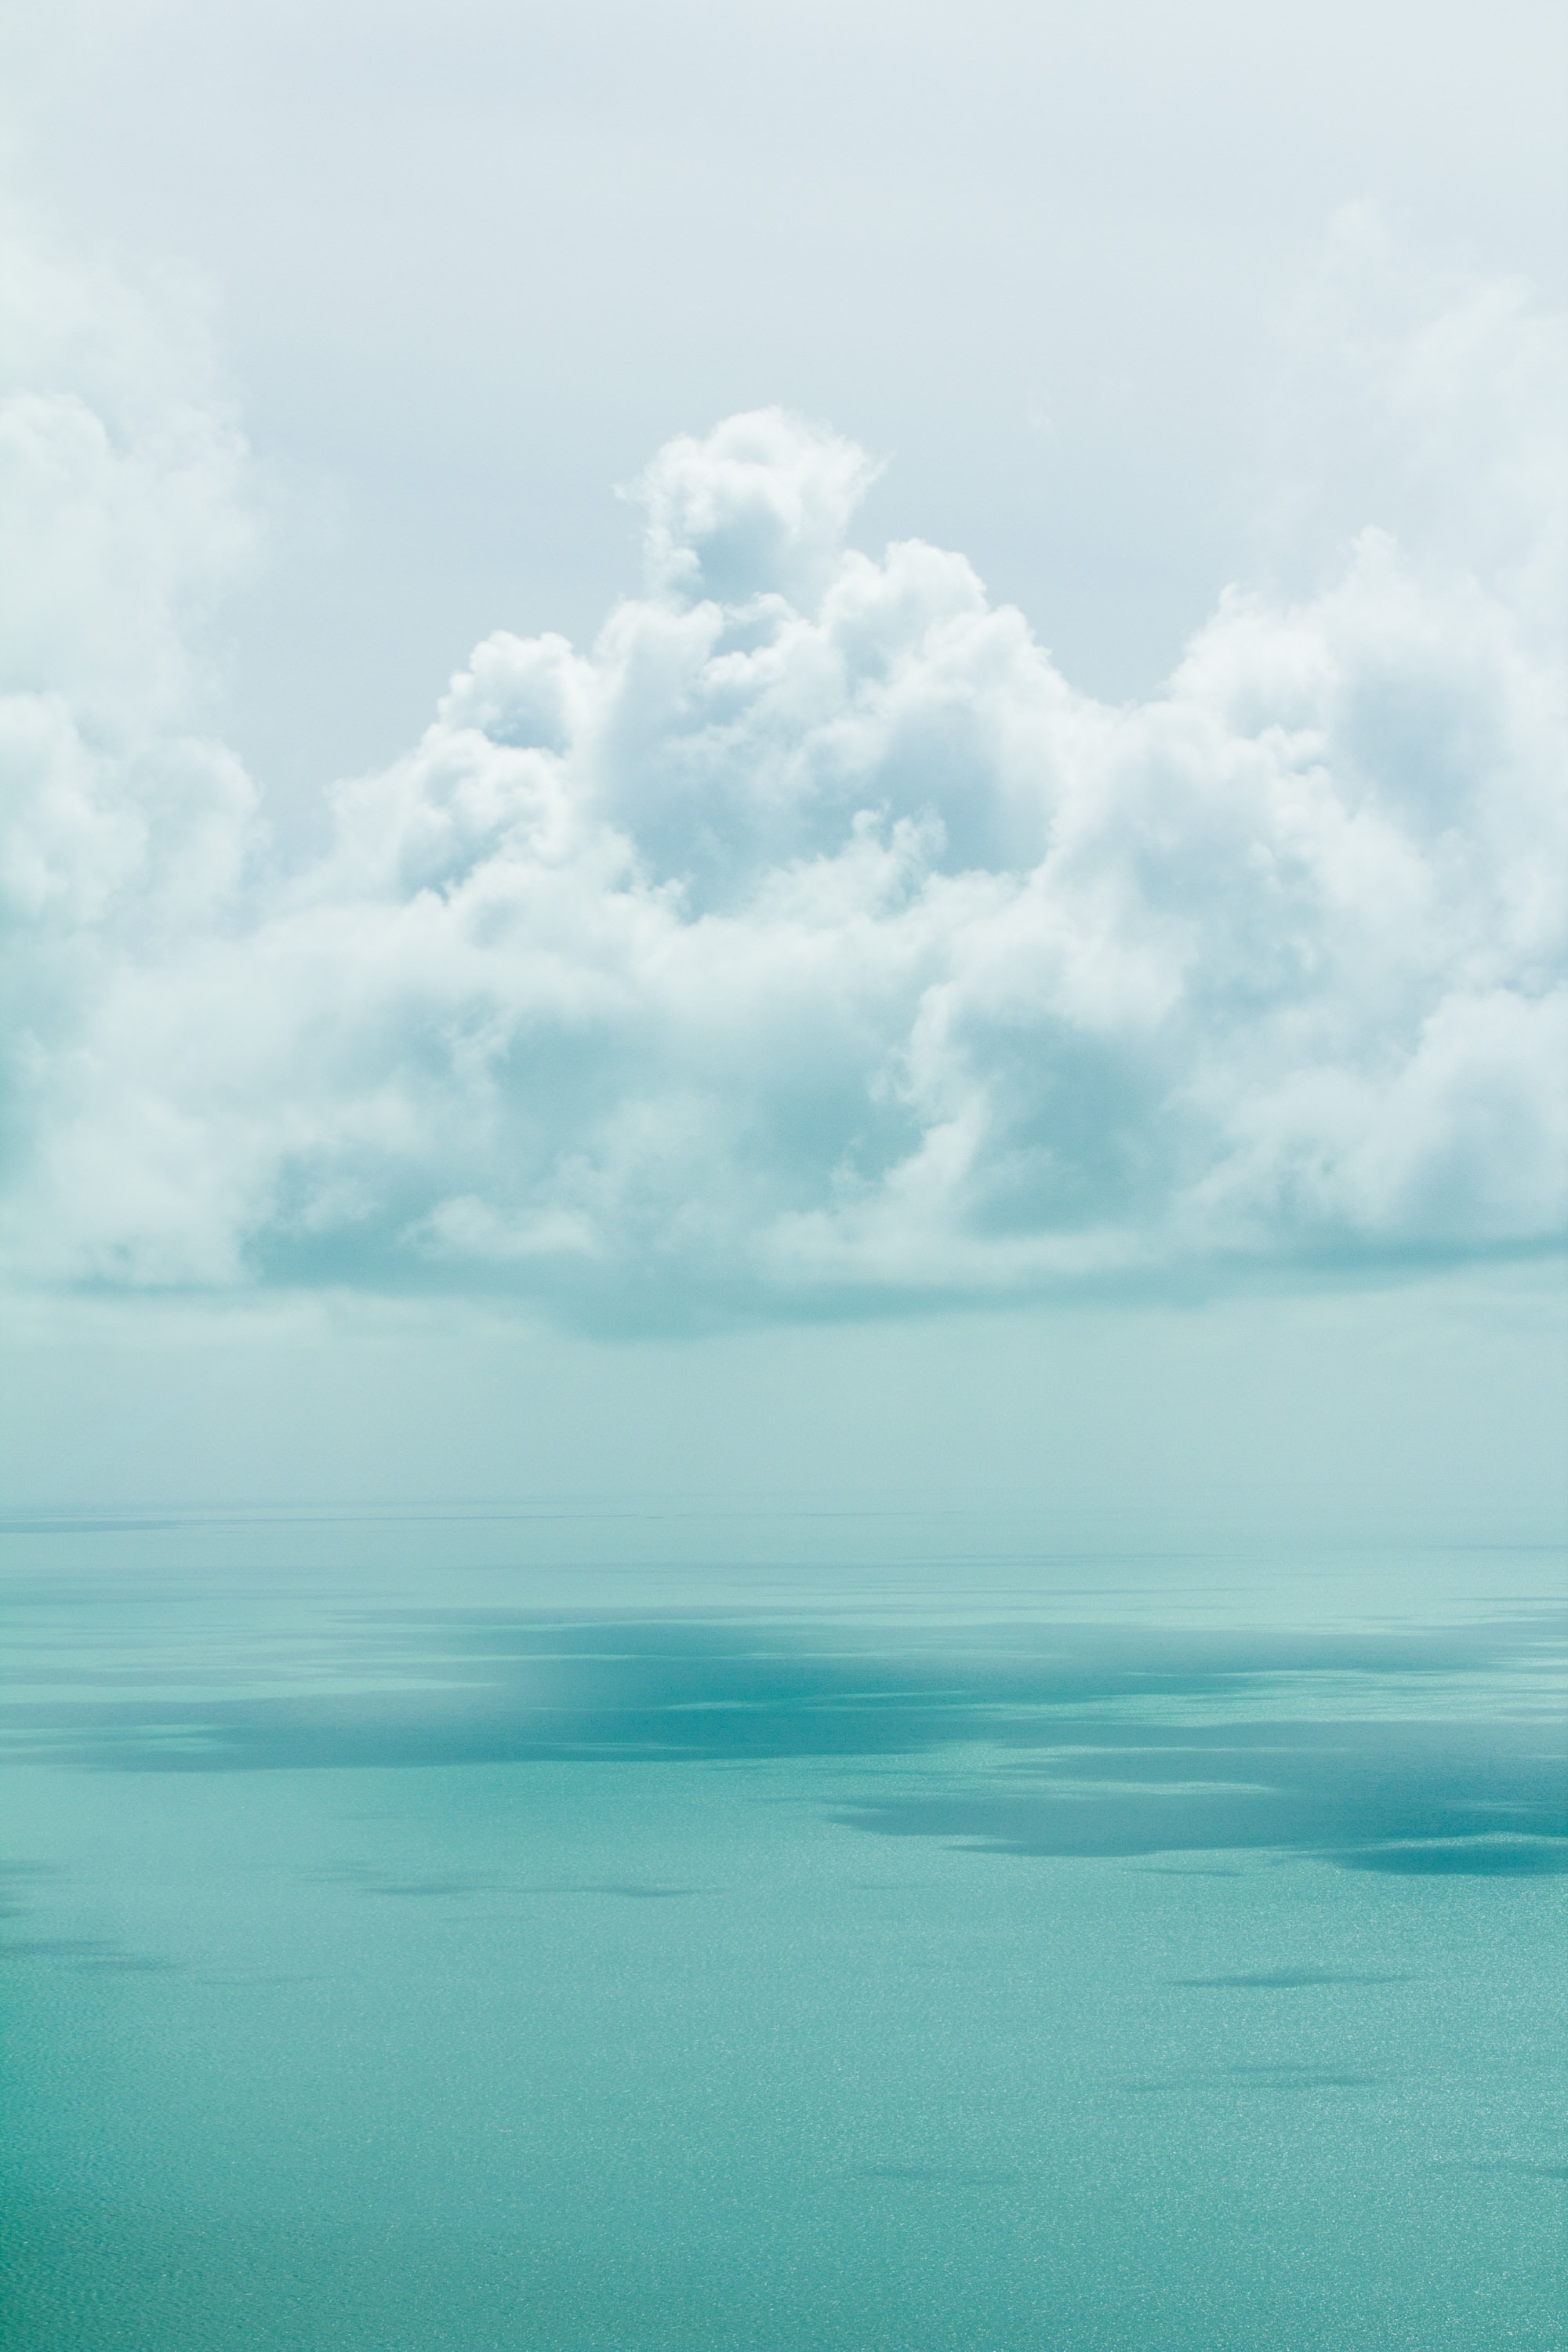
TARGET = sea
(498,1930)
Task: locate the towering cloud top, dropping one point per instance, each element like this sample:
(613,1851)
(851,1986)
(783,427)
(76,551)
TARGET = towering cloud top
(762,505)
(808,943)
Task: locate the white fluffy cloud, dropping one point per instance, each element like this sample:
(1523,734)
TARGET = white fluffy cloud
(807,942)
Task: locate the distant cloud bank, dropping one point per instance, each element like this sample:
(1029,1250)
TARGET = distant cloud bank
(807,943)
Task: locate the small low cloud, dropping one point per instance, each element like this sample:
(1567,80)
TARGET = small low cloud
(807,943)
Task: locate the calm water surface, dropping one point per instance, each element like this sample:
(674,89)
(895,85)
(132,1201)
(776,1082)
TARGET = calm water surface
(674,1932)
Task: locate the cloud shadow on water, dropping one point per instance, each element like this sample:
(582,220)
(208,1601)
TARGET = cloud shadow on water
(1054,1741)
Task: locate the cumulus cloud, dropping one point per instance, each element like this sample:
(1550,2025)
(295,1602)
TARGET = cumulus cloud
(808,942)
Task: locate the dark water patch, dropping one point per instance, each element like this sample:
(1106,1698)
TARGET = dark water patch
(1298,2076)
(1524,2165)
(130,1964)
(1284,2076)
(1125,1742)
(938,2176)
(20,1523)
(434,1885)
(88,1952)
(1289,1979)
(495,1687)
(423,1888)
(1157,1870)
(634,1890)
(1404,1794)
(167,1675)
(413,1885)
(17,1881)
(636,1893)
(244,1980)
(1542,1856)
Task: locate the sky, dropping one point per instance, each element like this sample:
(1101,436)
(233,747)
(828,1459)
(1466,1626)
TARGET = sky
(801,752)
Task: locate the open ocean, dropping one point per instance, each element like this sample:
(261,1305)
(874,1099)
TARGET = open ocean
(674,1930)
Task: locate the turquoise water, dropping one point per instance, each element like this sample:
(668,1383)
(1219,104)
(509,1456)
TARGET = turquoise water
(681,1932)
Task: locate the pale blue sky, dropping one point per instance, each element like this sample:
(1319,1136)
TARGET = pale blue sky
(1428,1415)
(471,265)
